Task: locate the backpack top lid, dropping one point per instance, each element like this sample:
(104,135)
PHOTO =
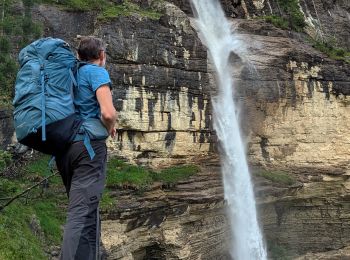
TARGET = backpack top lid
(42,49)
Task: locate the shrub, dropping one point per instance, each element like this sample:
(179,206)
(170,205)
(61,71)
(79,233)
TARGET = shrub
(5,159)
(4,45)
(330,50)
(291,17)
(277,21)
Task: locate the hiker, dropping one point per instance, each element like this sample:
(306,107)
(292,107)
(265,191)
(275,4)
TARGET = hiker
(83,165)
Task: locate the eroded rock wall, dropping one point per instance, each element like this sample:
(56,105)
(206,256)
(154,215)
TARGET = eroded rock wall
(294,100)
(294,103)
(294,109)
(160,83)
(183,221)
(314,218)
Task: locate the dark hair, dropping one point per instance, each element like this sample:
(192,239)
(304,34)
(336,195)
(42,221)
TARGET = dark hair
(90,48)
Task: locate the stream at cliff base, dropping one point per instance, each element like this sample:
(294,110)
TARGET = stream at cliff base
(215,32)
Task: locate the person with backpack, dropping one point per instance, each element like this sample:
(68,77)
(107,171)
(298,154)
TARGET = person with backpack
(63,107)
(83,169)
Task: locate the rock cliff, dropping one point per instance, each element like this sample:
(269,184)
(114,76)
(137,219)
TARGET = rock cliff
(294,98)
(294,109)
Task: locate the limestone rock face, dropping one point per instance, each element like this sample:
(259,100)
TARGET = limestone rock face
(293,99)
(295,109)
(183,221)
(160,83)
(313,218)
(188,220)
(331,255)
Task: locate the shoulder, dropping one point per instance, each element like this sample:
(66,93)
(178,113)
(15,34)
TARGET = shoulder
(95,75)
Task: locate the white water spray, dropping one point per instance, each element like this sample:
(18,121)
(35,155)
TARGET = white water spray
(214,31)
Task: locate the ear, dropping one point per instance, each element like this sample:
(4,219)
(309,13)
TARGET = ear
(102,57)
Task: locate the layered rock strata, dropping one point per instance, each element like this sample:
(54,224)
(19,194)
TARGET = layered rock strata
(159,75)
(182,221)
(294,110)
(294,104)
(188,220)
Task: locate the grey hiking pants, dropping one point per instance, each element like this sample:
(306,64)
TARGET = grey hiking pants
(84,180)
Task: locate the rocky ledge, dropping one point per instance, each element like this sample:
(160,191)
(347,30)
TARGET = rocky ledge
(188,220)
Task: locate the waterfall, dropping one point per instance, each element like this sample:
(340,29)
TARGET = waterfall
(215,32)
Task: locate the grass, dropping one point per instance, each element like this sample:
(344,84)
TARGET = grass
(7,187)
(120,174)
(123,174)
(51,219)
(278,177)
(176,174)
(17,239)
(107,202)
(39,166)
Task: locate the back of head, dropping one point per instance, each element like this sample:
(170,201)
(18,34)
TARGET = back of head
(90,48)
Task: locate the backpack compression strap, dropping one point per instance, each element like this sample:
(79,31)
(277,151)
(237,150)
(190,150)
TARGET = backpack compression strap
(43,100)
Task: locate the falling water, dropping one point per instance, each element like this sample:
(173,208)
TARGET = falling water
(214,31)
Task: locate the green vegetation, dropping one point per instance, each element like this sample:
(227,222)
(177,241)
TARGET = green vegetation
(107,202)
(277,21)
(330,50)
(16,31)
(291,17)
(106,9)
(33,223)
(278,177)
(7,187)
(18,238)
(176,174)
(51,218)
(126,9)
(78,5)
(5,159)
(122,174)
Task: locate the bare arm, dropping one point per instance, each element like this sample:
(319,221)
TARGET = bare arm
(108,112)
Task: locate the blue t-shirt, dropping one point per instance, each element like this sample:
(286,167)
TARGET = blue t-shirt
(90,78)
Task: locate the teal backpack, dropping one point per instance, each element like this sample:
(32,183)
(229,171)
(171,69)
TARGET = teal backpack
(44,115)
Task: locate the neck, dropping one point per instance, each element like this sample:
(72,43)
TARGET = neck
(96,62)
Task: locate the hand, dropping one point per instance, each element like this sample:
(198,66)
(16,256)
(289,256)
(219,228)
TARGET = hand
(113,133)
